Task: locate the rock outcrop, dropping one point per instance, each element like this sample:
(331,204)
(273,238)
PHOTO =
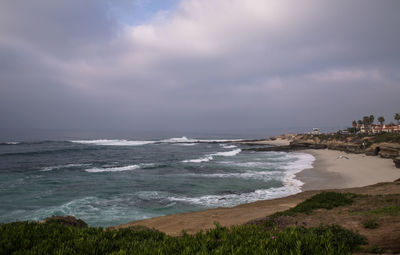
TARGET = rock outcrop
(388,150)
(397,162)
(315,142)
(68,221)
(352,144)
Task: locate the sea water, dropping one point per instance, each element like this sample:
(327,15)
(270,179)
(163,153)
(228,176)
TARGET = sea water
(109,182)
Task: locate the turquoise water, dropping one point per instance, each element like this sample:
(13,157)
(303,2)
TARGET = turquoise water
(110,182)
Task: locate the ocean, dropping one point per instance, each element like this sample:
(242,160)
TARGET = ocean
(107,182)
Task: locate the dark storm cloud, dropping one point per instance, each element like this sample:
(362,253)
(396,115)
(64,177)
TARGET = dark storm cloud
(205,65)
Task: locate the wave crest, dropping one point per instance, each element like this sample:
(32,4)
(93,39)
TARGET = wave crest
(107,142)
(119,168)
(50,168)
(210,157)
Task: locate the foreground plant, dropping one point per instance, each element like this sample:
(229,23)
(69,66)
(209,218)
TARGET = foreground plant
(55,238)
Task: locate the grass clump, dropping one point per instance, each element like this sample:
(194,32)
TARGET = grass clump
(375,250)
(393,210)
(324,200)
(370,224)
(35,238)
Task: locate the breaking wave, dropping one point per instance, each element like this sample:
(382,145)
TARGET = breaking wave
(123,142)
(199,160)
(182,139)
(227,153)
(50,168)
(226,146)
(229,200)
(302,161)
(96,211)
(107,142)
(10,143)
(210,157)
(119,168)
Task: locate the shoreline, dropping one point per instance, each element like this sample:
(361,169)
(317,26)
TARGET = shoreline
(334,169)
(331,170)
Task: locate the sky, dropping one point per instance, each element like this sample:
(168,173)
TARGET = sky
(209,65)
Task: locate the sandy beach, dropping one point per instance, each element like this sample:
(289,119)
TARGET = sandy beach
(336,169)
(332,170)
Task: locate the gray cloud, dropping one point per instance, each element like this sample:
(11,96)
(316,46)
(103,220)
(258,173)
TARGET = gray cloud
(214,65)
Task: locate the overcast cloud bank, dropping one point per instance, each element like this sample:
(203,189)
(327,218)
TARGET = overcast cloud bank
(203,64)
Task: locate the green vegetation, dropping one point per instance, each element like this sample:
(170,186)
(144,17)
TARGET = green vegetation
(375,250)
(370,224)
(396,116)
(55,238)
(325,200)
(381,120)
(393,210)
(386,138)
(368,121)
(358,138)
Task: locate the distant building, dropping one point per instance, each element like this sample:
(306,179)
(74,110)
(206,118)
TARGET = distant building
(376,129)
(315,131)
(363,129)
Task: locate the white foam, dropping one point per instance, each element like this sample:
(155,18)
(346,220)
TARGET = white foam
(113,169)
(119,168)
(264,175)
(227,153)
(182,139)
(12,143)
(185,144)
(262,165)
(175,140)
(50,168)
(225,146)
(107,142)
(302,161)
(95,211)
(230,200)
(199,160)
(210,157)
(151,195)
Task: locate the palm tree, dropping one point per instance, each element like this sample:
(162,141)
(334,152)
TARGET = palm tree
(365,120)
(397,117)
(354,125)
(366,123)
(359,122)
(371,119)
(381,120)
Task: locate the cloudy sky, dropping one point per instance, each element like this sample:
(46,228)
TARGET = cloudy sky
(197,64)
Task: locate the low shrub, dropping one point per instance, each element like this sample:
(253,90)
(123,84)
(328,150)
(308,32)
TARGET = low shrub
(35,238)
(387,137)
(393,210)
(375,250)
(371,224)
(325,200)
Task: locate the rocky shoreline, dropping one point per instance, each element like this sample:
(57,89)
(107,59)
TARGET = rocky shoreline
(349,144)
